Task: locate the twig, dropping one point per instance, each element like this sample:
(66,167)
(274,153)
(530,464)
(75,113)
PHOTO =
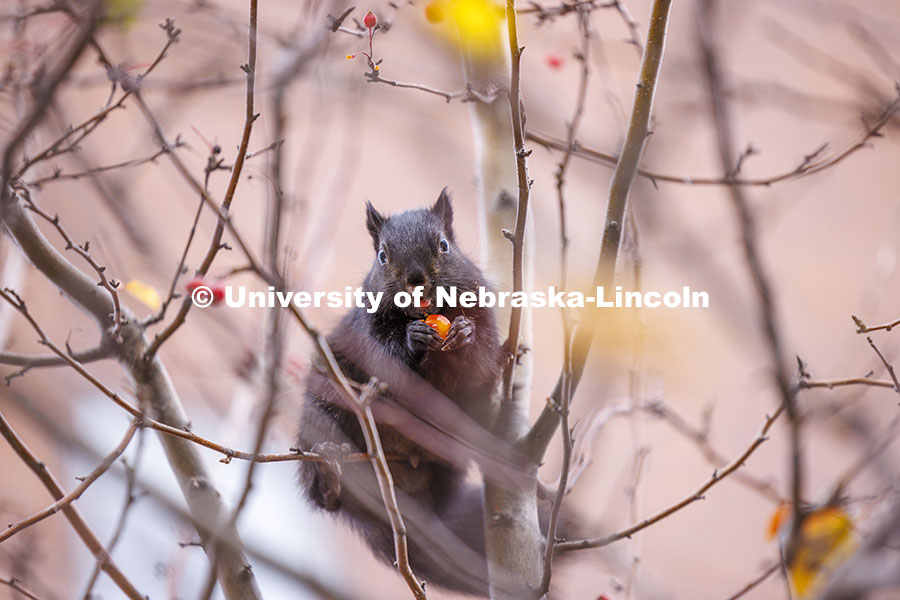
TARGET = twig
(549,13)
(863,328)
(44,96)
(88,125)
(814,162)
(761,578)
(717,476)
(620,187)
(78,524)
(887,365)
(130,498)
(59,176)
(517,109)
(701,439)
(149,422)
(249,118)
(50,7)
(833,383)
(725,139)
(375,77)
(567,443)
(361,407)
(14,584)
(76,493)
(108,284)
(33,361)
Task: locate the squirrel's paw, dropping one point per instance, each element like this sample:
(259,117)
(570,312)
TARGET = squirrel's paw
(462,332)
(421,337)
(328,473)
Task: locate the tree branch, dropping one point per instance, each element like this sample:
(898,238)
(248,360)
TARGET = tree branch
(620,187)
(75,519)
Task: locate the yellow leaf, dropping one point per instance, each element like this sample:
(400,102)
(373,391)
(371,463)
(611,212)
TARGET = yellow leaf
(475,25)
(147,294)
(827,539)
(122,12)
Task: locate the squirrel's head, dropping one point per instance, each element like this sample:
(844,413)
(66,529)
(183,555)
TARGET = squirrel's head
(415,248)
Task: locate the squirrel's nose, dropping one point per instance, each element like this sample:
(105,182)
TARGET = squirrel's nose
(415,278)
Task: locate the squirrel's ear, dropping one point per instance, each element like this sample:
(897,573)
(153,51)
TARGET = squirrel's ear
(374,221)
(444,209)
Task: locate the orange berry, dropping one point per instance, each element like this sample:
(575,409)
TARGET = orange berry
(434,11)
(439,323)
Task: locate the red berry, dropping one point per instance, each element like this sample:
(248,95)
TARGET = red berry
(194,283)
(554,61)
(218,292)
(370,19)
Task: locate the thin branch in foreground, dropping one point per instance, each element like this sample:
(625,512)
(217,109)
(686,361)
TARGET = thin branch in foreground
(567,441)
(216,242)
(627,168)
(76,493)
(723,122)
(517,109)
(700,438)
(863,328)
(16,585)
(756,582)
(717,476)
(887,365)
(75,519)
(834,383)
(33,361)
(361,407)
(60,176)
(131,497)
(814,162)
(106,283)
(150,423)
(375,77)
(88,125)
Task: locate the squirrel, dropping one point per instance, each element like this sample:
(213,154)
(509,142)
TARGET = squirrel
(443,512)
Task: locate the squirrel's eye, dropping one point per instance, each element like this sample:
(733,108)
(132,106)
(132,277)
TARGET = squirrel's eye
(444,245)
(382,256)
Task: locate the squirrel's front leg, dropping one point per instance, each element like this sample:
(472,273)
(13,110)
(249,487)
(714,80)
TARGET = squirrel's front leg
(462,332)
(420,337)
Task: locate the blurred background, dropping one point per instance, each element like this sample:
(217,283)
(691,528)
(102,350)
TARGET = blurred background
(799,75)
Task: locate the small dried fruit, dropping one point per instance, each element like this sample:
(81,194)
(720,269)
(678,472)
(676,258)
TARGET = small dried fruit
(218,292)
(439,323)
(215,293)
(434,11)
(554,61)
(194,283)
(370,20)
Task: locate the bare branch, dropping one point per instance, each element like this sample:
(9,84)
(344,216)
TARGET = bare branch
(76,493)
(78,524)
(14,584)
(768,572)
(722,120)
(59,176)
(887,365)
(620,188)
(863,328)
(699,494)
(814,162)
